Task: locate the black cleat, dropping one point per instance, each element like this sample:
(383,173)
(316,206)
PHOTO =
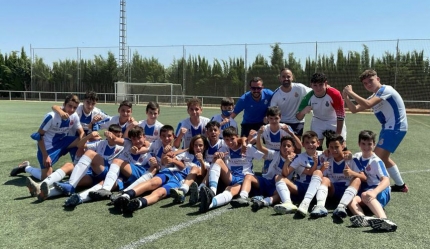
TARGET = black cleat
(19,169)
(101,194)
(206,195)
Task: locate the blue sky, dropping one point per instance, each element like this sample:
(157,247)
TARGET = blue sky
(61,23)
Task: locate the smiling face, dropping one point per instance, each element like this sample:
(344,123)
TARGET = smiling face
(199,146)
(167,137)
(256,88)
(231,142)
(319,88)
(152,115)
(285,78)
(89,105)
(311,144)
(195,111)
(287,147)
(213,133)
(366,147)
(138,141)
(336,148)
(70,107)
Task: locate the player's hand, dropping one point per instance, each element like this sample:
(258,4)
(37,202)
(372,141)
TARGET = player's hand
(225,121)
(199,156)
(347,171)
(109,135)
(134,150)
(325,165)
(47,162)
(96,118)
(307,109)
(183,130)
(153,161)
(64,115)
(347,155)
(315,157)
(131,120)
(290,156)
(287,128)
(167,149)
(348,89)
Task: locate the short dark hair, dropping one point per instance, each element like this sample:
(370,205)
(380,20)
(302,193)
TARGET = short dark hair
(318,78)
(114,128)
(152,106)
(230,131)
(367,74)
(331,136)
(211,124)
(194,101)
(71,97)
(92,96)
(256,79)
(227,101)
(126,103)
(136,131)
(166,128)
(366,135)
(309,135)
(273,111)
(289,138)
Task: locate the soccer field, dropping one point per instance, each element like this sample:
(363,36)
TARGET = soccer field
(27,223)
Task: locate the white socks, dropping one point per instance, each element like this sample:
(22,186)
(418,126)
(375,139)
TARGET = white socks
(395,175)
(56,176)
(146,177)
(283,191)
(111,177)
(80,170)
(214,174)
(221,199)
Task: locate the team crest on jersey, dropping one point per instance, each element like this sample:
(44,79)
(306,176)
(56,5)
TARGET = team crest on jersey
(140,160)
(327,104)
(296,94)
(368,168)
(381,141)
(71,123)
(156,133)
(116,151)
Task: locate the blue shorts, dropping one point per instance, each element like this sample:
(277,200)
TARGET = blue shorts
(389,139)
(170,180)
(383,197)
(267,187)
(136,173)
(99,177)
(297,128)
(236,179)
(59,149)
(339,189)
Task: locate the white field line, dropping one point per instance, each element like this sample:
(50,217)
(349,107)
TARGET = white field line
(199,219)
(419,122)
(176,228)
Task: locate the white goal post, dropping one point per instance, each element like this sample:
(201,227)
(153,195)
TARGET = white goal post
(138,93)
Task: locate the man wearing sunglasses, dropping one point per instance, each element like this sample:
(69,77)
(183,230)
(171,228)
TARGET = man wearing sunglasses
(254,105)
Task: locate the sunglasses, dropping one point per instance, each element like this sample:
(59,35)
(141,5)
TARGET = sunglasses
(256,89)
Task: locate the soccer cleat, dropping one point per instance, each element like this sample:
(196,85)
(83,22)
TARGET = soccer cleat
(303,209)
(382,225)
(257,198)
(101,194)
(177,195)
(19,169)
(206,196)
(32,186)
(340,212)
(194,193)
(66,188)
(319,211)
(73,200)
(132,206)
(257,205)
(122,202)
(360,220)
(239,202)
(44,192)
(285,208)
(396,188)
(113,197)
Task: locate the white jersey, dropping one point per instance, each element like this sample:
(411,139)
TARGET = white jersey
(373,168)
(190,161)
(220,146)
(106,151)
(240,165)
(152,132)
(104,124)
(272,140)
(86,118)
(301,162)
(276,164)
(219,119)
(156,149)
(289,102)
(335,170)
(141,160)
(390,112)
(56,128)
(191,130)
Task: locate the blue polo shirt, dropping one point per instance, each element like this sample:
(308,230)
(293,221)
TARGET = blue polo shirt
(253,111)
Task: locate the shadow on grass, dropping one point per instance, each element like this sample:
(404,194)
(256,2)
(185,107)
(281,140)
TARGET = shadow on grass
(114,211)
(23,198)
(17,181)
(171,204)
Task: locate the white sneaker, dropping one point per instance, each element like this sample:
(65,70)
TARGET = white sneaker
(32,186)
(285,208)
(44,192)
(303,208)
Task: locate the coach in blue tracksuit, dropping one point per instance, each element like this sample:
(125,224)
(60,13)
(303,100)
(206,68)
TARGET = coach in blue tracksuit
(254,105)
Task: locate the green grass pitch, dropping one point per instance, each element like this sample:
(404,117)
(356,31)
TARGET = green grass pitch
(25,223)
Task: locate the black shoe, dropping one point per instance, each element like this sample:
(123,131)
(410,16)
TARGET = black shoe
(132,206)
(206,195)
(19,169)
(257,205)
(113,197)
(403,188)
(121,203)
(101,194)
(239,202)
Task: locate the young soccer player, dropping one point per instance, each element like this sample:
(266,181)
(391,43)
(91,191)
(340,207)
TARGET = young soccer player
(327,107)
(130,163)
(265,185)
(375,191)
(339,179)
(53,140)
(165,180)
(123,119)
(304,165)
(389,109)
(192,126)
(227,106)
(231,173)
(151,125)
(98,156)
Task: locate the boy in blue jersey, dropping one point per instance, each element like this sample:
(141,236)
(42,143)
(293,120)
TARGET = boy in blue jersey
(124,118)
(389,109)
(224,119)
(165,180)
(231,173)
(339,179)
(265,185)
(304,165)
(192,126)
(98,155)
(53,139)
(151,125)
(254,105)
(131,164)
(375,191)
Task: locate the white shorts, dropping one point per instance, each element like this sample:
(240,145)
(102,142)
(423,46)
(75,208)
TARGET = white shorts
(319,126)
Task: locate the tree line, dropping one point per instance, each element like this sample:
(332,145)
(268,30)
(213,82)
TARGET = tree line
(408,72)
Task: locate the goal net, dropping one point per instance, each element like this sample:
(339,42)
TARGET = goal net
(142,93)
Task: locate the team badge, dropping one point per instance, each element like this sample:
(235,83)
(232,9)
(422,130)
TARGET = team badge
(296,94)
(368,168)
(381,141)
(327,104)
(156,133)
(71,122)
(140,160)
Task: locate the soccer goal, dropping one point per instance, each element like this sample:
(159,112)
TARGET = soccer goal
(141,93)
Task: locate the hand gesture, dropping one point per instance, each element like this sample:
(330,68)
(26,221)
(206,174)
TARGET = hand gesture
(96,118)
(134,150)
(347,155)
(95,135)
(64,115)
(183,130)
(167,149)
(199,156)
(325,165)
(347,171)
(348,89)
(315,157)
(131,120)
(286,128)
(307,109)
(290,156)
